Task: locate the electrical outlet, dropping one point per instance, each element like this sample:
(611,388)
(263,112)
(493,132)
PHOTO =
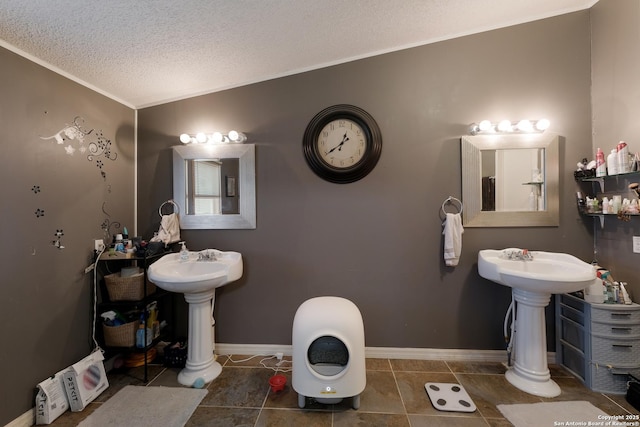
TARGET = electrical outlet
(279,356)
(98,244)
(636,244)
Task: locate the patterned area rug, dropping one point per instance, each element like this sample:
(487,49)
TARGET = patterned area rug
(147,406)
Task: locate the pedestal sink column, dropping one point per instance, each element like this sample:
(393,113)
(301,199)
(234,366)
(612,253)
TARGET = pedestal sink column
(530,372)
(200,360)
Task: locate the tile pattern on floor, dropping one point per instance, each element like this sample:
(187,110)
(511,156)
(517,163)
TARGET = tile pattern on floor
(394,395)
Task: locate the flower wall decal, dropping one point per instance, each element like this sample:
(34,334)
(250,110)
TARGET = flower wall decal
(97,144)
(76,137)
(58,241)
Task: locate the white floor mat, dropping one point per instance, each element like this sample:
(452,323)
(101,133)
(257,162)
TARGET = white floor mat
(571,413)
(449,397)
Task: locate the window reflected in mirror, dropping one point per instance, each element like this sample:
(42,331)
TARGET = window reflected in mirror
(211,187)
(214,185)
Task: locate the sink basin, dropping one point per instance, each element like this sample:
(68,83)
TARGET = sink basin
(172,274)
(198,280)
(548,272)
(532,282)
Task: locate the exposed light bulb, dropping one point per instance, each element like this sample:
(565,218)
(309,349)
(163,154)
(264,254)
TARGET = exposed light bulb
(217,137)
(543,124)
(236,136)
(201,137)
(505,126)
(213,138)
(524,126)
(484,125)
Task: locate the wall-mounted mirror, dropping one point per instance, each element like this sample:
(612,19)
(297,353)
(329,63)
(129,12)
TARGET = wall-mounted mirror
(214,185)
(510,180)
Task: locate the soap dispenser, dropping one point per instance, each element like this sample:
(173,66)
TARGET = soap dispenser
(184,252)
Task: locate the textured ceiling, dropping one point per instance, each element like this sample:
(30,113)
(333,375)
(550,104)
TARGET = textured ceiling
(147,52)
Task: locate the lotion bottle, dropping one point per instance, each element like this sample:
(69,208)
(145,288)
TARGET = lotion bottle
(612,162)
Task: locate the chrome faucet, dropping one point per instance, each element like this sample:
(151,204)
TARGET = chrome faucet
(207,255)
(522,254)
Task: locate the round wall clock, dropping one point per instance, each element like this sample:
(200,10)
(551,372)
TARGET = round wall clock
(342,143)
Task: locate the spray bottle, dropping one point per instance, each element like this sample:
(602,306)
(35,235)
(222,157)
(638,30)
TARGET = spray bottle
(140,333)
(624,165)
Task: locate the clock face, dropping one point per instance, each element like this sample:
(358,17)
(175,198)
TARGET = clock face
(341,143)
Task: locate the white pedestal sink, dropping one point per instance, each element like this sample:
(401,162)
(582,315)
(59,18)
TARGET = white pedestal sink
(532,282)
(198,280)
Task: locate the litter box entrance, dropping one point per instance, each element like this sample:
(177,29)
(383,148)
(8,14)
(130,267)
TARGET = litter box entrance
(328,355)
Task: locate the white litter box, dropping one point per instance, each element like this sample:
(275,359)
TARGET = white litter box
(328,351)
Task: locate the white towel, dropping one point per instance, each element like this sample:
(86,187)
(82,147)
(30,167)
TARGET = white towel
(452,239)
(169,231)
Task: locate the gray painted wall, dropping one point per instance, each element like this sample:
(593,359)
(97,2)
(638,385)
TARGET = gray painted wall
(378,241)
(616,116)
(45,318)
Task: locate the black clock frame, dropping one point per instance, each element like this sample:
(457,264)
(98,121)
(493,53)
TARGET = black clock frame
(373,140)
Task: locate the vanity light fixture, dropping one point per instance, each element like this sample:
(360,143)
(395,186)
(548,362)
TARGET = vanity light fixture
(233,137)
(486,127)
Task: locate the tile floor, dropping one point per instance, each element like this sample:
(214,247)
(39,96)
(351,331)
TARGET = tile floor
(394,395)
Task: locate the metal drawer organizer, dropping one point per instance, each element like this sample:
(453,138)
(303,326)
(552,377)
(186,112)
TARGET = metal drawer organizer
(599,343)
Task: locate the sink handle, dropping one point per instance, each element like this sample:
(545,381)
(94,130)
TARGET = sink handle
(208,255)
(516,253)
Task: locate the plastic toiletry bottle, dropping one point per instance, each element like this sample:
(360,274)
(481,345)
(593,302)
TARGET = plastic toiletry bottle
(610,299)
(184,252)
(612,162)
(605,205)
(601,167)
(140,334)
(624,165)
(533,201)
(617,204)
(625,294)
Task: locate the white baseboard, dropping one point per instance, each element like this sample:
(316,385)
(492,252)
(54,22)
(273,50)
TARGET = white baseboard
(25,420)
(382,352)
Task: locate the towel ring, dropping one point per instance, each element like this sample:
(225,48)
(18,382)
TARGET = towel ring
(176,209)
(451,200)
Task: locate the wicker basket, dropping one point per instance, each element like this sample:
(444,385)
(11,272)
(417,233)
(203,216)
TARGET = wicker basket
(127,288)
(120,336)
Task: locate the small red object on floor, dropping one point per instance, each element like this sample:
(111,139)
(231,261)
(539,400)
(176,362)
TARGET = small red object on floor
(277,382)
